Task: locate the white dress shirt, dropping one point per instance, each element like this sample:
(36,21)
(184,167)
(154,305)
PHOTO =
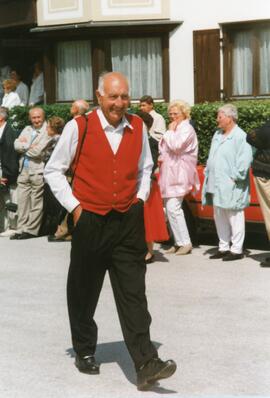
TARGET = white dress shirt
(65,150)
(10,100)
(23,92)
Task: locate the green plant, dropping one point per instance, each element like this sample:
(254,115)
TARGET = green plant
(19,118)
(251,114)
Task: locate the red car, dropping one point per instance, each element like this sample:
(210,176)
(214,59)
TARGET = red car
(202,217)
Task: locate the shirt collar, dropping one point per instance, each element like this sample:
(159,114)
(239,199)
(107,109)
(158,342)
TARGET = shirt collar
(107,126)
(229,136)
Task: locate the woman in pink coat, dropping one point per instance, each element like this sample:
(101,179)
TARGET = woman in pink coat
(178,174)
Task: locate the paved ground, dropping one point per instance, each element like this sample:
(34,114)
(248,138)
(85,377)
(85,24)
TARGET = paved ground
(212,317)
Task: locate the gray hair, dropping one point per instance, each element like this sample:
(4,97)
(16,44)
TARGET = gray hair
(101,83)
(4,112)
(82,105)
(229,110)
(37,108)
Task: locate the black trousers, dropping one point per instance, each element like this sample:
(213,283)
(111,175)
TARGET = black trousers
(114,242)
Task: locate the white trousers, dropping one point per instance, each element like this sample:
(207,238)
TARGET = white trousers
(177,221)
(230,225)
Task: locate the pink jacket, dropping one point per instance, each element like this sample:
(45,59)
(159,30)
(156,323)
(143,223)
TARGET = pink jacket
(178,156)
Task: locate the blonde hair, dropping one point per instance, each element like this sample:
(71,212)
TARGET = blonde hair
(56,124)
(182,107)
(9,83)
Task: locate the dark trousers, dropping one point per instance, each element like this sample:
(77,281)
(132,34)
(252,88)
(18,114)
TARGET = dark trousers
(114,242)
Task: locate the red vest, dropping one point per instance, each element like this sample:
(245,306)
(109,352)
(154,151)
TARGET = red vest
(103,180)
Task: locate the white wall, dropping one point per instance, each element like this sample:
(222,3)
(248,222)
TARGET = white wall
(197,15)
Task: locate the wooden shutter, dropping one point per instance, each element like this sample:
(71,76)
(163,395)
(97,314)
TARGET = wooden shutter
(206,50)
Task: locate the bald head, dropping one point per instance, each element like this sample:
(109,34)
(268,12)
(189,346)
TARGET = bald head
(79,107)
(108,78)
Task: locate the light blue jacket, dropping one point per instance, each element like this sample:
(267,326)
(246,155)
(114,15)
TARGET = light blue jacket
(231,158)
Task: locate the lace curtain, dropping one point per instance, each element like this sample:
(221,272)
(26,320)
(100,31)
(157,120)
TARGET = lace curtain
(242,64)
(140,60)
(74,71)
(265,61)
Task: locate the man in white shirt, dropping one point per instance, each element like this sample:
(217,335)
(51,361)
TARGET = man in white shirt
(21,88)
(159,125)
(37,88)
(112,166)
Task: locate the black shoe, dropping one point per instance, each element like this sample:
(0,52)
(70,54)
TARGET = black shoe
(153,371)
(150,260)
(26,235)
(53,238)
(87,364)
(15,236)
(233,256)
(219,254)
(265,263)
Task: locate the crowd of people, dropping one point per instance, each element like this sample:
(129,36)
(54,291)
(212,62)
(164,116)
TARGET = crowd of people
(174,151)
(116,178)
(14,92)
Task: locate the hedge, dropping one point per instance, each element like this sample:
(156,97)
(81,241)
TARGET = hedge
(251,113)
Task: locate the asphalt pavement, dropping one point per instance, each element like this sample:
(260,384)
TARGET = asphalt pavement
(211,317)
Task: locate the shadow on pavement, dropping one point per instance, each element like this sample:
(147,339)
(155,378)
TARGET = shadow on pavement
(259,257)
(117,352)
(255,241)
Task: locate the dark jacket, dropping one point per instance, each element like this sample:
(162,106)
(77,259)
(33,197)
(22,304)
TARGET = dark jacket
(260,139)
(8,156)
(154,152)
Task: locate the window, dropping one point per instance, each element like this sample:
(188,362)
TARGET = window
(141,61)
(264,39)
(74,66)
(247,53)
(74,71)
(242,64)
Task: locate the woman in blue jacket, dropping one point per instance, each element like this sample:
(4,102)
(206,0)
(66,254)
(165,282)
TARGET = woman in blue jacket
(226,184)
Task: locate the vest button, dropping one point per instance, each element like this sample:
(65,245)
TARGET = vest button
(114,172)
(115,194)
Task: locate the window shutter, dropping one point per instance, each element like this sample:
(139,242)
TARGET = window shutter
(206,50)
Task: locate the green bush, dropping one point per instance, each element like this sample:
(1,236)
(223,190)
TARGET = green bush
(18,115)
(251,113)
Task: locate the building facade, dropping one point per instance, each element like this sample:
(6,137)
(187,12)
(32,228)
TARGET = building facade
(197,50)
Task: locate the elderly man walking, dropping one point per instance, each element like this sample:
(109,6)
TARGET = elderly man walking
(31,144)
(112,180)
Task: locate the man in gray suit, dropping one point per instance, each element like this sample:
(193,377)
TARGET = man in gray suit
(31,144)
